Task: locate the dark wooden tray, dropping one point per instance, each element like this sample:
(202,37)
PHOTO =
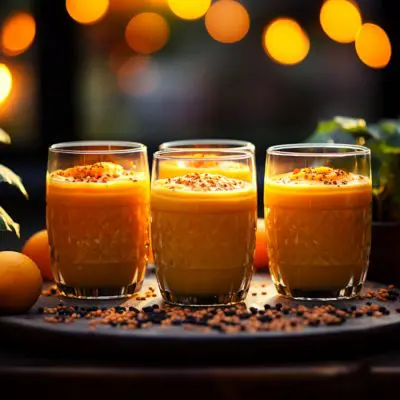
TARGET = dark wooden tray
(30,329)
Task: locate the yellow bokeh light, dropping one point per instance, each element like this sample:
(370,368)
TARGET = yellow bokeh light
(147,33)
(6,82)
(158,3)
(87,11)
(18,33)
(373,46)
(340,20)
(189,9)
(285,41)
(227,21)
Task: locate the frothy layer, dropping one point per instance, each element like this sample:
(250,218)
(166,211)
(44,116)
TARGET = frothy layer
(100,172)
(196,182)
(319,176)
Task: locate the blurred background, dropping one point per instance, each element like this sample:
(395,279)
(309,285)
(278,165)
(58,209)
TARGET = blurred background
(159,70)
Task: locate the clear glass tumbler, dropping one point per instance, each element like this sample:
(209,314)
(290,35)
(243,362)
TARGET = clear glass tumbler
(203,227)
(203,161)
(192,144)
(317,200)
(98,209)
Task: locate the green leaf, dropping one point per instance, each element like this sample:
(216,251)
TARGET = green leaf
(6,175)
(389,126)
(357,127)
(7,223)
(328,126)
(4,137)
(351,124)
(342,130)
(336,136)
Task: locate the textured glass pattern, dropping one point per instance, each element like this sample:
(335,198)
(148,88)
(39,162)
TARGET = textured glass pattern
(96,248)
(318,249)
(204,253)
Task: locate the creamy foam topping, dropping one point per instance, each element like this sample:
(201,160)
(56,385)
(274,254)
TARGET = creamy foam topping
(100,172)
(320,176)
(196,182)
(207,163)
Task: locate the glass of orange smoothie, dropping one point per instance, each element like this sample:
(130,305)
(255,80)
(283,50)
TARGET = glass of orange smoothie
(171,168)
(98,209)
(317,200)
(203,227)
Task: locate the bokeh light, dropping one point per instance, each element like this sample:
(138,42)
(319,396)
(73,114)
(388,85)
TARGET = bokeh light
(340,20)
(373,46)
(138,76)
(6,82)
(285,41)
(119,53)
(189,9)
(87,11)
(227,21)
(158,3)
(147,33)
(127,5)
(18,33)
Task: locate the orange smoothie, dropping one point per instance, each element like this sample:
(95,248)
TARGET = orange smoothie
(203,236)
(231,169)
(97,218)
(318,225)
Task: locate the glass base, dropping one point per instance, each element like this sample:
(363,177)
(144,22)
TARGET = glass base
(99,293)
(210,300)
(346,293)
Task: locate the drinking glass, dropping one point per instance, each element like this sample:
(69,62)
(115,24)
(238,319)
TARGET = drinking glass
(203,160)
(317,200)
(192,144)
(98,208)
(203,227)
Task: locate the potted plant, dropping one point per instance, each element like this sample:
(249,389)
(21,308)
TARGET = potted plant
(383,138)
(8,176)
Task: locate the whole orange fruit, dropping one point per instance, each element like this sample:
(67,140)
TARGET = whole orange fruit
(20,282)
(37,248)
(261,254)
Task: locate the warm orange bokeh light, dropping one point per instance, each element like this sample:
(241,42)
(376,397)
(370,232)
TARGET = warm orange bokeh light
(127,5)
(340,20)
(147,33)
(227,21)
(189,9)
(18,33)
(285,41)
(87,11)
(6,82)
(138,76)
(373,46)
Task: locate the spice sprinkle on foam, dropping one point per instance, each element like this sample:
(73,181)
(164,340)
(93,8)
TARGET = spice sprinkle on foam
(202,182)
(321,176)
(100,172)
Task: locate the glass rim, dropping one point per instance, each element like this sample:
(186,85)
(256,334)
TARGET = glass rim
(223,155)
(289,150)
(126,147)
(236,143)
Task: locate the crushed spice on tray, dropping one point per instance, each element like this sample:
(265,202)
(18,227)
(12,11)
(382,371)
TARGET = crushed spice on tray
(230,319)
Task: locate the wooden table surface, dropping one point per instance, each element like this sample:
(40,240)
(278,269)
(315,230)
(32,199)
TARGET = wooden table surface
(346,374)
